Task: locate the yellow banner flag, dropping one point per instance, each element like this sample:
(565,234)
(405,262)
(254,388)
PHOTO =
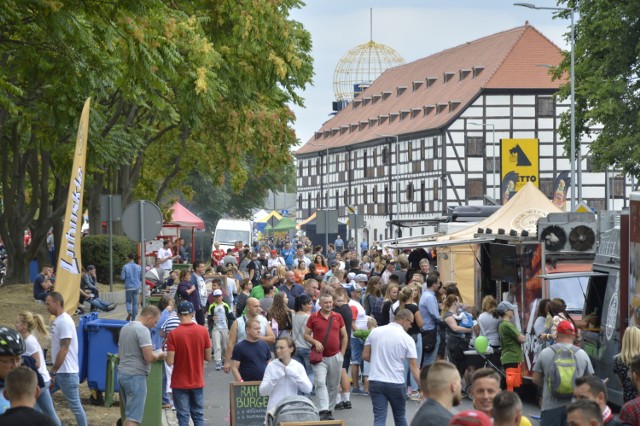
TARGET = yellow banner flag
(69,271)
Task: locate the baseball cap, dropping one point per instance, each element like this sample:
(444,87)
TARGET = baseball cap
(471,418)
(185,308)
(274,252)
(504,307)
(333,263)
(361,278)
(217,292)
(356,287)
(566,327)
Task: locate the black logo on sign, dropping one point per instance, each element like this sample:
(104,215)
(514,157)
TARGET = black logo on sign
(518,156)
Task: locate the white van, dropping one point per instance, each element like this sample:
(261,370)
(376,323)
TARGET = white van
(228,231)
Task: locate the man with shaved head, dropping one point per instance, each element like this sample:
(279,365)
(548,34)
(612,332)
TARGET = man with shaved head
(237,333)
(443,385)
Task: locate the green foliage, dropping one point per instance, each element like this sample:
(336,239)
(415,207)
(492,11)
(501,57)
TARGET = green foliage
(607,84)
(175,87)
(95,251)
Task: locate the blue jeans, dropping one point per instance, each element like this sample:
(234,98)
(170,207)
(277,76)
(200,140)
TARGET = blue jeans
(132,302)
(97,303)
(391,393)
(68,384)
(357,346)
(44,404)
(430,357)
(189,402)
(302,356)
(133,393)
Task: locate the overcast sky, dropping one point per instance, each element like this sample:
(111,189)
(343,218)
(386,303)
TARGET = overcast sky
(414,28)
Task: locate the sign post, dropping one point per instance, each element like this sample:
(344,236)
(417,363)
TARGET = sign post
(140,220)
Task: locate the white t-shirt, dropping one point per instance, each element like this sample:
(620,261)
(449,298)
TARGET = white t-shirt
(63,328)
(167,264)
(202,289)
(274,263)
(390,346)
(34,347)
(361,317)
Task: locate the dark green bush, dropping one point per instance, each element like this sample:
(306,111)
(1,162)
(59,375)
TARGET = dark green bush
(95,251)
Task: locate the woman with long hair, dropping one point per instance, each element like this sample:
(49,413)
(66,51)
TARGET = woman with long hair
(26,323)
(540,329)
(390,297)
(406,297)
(321,264)
(245,292)
(458,337)
(622,361)
(300,271)
(556,314)
(284,376)
(304,304)
(280,316)
(279,275)
(372,294)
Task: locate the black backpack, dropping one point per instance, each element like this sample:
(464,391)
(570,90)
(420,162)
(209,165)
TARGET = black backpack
(376,310)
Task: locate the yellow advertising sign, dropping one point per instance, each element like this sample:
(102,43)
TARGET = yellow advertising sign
(519,164)
(68,273)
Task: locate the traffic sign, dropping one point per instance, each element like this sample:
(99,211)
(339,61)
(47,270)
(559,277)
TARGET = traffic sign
(142,220)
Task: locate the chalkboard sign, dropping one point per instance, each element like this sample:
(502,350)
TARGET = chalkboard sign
(248,407)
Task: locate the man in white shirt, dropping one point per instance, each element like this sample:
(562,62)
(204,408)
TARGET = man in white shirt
(386,349)
(275,261)
(165,258)
(64,354)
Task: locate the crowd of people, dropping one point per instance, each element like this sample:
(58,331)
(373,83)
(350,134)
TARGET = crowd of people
(370,322)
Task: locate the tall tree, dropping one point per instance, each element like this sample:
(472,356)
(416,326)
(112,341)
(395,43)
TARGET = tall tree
(607,81)
(177,87)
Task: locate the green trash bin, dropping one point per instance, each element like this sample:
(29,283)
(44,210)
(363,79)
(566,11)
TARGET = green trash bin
(153,403)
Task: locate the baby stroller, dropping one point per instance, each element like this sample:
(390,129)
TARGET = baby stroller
(473,357)
(293,409)
(154,281)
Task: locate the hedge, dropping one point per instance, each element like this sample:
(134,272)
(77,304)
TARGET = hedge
(95,251)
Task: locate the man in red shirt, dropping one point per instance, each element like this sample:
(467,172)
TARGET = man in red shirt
(188,346)
(327,372)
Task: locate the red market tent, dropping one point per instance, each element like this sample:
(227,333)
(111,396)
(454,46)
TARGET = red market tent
(184,218)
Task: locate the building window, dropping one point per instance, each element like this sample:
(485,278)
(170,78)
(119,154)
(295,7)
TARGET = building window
(385,153)
(410,192)
(364,161)
(546,186)
(545,107)
(475,146)
(318,167)
(618,187)
(409,151)
(475,189)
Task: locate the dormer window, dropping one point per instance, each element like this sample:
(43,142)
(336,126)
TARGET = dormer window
(447,76)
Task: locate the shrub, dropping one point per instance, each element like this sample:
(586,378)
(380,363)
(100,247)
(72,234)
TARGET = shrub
(95,251)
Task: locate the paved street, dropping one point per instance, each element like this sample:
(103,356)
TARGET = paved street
(217,403)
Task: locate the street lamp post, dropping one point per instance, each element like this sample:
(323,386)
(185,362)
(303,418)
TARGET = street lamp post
(573,94)
(325,198)
(397,208)
(493,148)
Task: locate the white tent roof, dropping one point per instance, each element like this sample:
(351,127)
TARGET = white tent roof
(520,213)
(259,214)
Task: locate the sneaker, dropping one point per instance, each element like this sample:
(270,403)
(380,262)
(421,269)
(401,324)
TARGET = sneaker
(218,366)
(326,415)
(340,406)
(414,396)
(357,391)
(111,307)
(346,405)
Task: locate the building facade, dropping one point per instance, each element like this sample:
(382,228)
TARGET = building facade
(425,136)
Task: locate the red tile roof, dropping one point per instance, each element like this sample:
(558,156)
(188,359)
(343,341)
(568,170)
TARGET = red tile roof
(430,92)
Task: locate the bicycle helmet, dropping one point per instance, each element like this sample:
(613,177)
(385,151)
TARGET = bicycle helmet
(11,342)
